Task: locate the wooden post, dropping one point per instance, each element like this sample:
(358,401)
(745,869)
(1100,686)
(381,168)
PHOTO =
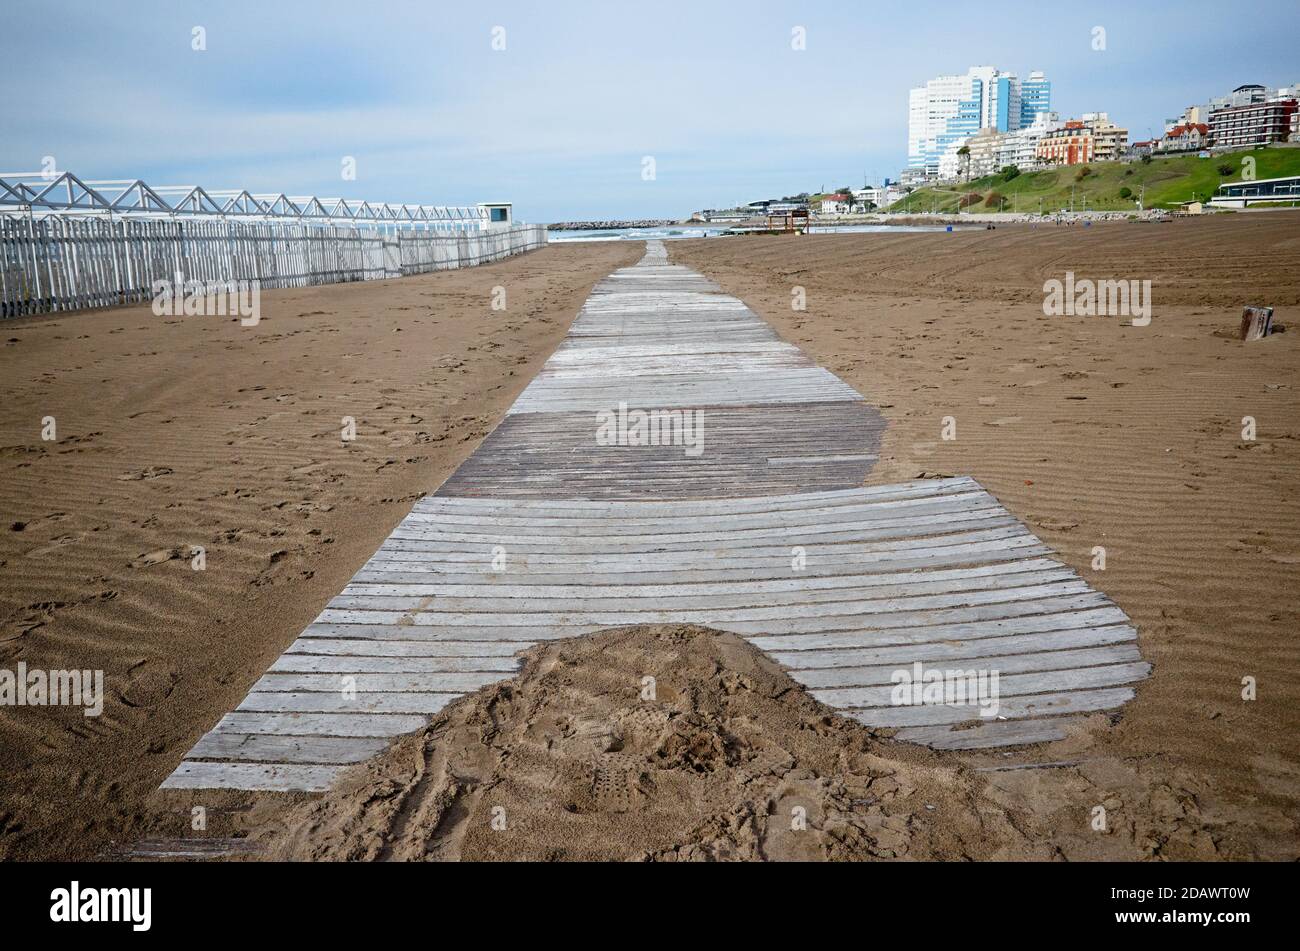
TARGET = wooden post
(1256,322)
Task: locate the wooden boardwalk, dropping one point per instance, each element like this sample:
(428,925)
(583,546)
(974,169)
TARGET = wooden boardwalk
(767,531)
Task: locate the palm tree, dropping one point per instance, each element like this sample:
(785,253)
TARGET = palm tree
(964,153)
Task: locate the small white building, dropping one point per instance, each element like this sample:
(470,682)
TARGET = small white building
(835,205)
(871,195)
(499,214)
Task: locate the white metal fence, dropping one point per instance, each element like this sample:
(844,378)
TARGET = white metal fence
(58,262)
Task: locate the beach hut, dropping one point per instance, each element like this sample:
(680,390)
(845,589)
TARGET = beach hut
(499,214)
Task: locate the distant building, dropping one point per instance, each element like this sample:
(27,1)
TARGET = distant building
(1191,137)
(1257,123)
(872,195)
(1035,98)
(1020,148)
(948,110)
(1109,140)
(1247,95)
(1072,144)
(835,204)
(986,150)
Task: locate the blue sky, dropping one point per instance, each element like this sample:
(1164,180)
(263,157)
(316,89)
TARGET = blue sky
(560,120)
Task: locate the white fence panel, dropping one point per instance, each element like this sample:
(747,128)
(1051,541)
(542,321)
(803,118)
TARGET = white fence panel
(59,263)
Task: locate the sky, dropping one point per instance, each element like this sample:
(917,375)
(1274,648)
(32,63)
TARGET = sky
(429,108)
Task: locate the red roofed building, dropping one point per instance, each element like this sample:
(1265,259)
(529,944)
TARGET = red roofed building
(837,204)
(1189,137)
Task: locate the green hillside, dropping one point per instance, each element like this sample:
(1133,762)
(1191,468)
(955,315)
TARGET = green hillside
(1167,182)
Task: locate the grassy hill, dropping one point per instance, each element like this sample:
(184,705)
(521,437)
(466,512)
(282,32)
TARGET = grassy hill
(1167,183)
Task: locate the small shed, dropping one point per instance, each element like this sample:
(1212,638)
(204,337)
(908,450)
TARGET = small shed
(500,214)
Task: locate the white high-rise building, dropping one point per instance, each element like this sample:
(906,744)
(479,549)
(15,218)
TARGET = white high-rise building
(948,110)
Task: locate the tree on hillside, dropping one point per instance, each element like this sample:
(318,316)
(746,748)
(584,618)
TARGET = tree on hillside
(1009,172)
(964,154)
(1226,169)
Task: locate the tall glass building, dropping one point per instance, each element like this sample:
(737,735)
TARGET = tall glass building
(1035,98)
(948,110)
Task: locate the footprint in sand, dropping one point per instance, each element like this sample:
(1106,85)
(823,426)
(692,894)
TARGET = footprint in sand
(55,544)
(152,472)
(158,557)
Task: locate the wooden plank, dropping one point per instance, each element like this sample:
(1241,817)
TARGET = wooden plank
(376,682)
(690,507)
(1004,664)
(1045,599)
(255,777)
(1040,682)
(333,702)
(1070,619)
(1011,708)
(997,575)
(334,663)
(359,649)
(250,747)
(320,724)
(745,607)
(762,570)
(955,650)
(604,597)
(989,733)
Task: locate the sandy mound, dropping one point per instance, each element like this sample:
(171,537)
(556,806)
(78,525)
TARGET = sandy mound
(569,762)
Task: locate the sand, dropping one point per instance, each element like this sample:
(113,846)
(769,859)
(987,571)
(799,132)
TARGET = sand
(198,431)
(1101,434)
(1093,432)
(725,759)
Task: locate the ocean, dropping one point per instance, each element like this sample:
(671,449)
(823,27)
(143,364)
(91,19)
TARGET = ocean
(673,232)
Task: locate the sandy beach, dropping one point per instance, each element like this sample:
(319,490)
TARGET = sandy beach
(1101,434)
(174,433)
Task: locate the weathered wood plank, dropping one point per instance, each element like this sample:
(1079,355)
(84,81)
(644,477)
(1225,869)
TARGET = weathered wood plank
(1012,708)
(255,777)
(1006,664)
(320,724)
(270,748)
(262,701)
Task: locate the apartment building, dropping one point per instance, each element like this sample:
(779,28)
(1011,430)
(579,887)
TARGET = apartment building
(1072,144)
(1257,123)
(1109,140)
(1020,148)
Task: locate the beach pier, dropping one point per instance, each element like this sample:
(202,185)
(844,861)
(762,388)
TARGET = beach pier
(746,512)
